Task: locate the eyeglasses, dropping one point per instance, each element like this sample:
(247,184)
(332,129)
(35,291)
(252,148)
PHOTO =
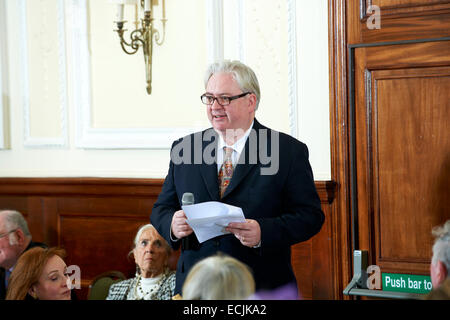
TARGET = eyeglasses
(223,100)
(6,233)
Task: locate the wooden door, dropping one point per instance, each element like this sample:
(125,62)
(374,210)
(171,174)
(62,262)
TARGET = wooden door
(390,134)
(402,148)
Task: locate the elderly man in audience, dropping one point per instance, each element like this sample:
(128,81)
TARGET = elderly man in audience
(154,280)
(15,239)
(440,264)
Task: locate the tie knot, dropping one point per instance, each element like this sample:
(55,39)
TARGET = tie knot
(228,151)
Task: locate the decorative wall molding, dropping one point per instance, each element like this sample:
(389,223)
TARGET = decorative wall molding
(214,30)
(234,11)
(29,140)
(234,27)
(87,136)
(292,68)
(4,96)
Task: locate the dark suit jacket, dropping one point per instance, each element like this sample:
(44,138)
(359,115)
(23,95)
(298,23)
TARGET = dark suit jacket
(2,271)
(286,204)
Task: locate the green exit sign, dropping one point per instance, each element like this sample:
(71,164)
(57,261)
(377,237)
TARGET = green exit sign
(406,283)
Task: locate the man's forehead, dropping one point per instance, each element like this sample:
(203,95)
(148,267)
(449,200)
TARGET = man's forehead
(222,80)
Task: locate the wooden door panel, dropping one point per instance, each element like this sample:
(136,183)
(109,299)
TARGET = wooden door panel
(403,154)
(411,115)
(394,6)
(397,20)
(384,81)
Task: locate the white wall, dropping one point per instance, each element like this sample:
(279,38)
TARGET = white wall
(78,105)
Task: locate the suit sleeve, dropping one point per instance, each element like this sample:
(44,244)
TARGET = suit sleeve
(301,216)
(165,206)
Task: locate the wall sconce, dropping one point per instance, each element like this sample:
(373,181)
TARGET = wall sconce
(144,32)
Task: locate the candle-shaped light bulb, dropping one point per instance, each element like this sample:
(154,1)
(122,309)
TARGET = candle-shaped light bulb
(163,9)
(147,4)
(119,12)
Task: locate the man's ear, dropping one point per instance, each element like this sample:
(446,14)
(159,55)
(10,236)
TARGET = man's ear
(20,236)
(441,272)
(252,101)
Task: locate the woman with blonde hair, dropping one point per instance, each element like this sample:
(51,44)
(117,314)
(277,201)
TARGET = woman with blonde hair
(40,274)
(219,277)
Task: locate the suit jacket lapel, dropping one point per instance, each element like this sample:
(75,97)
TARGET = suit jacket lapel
(209,170)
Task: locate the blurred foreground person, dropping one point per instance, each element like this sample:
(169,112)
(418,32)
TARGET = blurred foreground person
(440,264)
(219,278)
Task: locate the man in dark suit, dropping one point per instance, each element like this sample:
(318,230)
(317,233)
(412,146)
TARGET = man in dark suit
(242,163)
(15,239)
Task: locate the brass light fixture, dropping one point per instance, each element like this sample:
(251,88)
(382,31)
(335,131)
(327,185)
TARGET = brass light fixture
(144,33)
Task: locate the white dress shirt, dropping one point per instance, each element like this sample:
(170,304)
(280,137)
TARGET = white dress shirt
(237,147)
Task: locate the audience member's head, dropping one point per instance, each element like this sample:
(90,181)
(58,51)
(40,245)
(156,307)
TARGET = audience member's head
(151,252)
(14,237)
(440,262)
(41,274)
(241,73)
(219,277)
(154,280)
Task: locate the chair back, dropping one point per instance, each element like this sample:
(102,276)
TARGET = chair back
(99,287)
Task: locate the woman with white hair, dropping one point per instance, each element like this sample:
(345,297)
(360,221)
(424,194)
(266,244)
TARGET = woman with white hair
(219,277)
(154,280)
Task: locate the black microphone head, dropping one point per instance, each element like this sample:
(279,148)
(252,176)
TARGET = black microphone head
(187,199)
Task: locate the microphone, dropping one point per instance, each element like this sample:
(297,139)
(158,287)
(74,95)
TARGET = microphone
(187,199)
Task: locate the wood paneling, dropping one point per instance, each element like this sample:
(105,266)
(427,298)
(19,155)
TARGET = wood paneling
(399,20)
(402,121)
(313,260)
(339,133)
(391,7)
(95,220)
(394,81)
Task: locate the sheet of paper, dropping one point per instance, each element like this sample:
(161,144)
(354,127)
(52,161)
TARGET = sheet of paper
(209,219)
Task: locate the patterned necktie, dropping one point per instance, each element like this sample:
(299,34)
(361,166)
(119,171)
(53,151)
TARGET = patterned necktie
(226,171)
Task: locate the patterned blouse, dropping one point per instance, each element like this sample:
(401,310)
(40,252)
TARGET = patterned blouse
(126,289)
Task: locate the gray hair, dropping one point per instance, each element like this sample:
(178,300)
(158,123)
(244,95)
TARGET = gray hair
(15,220)
(141,230)
(219,278)
(244,76)
(441,247)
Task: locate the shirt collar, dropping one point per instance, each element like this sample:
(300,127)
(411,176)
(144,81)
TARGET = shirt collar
(238,146)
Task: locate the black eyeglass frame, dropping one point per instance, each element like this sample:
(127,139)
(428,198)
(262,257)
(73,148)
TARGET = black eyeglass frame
(217,98)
